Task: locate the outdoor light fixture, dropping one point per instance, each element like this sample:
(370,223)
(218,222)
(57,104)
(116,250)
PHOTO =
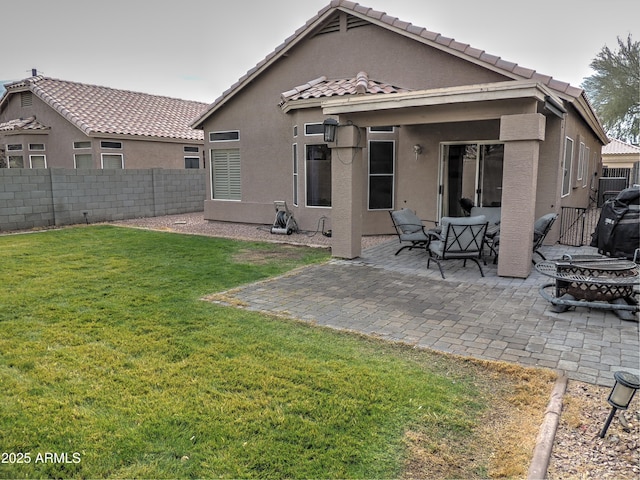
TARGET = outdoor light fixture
(621,395)
(417,149)
(330,127)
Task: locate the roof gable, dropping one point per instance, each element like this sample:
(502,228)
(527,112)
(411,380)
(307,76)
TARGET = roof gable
(327,20)
(97,110)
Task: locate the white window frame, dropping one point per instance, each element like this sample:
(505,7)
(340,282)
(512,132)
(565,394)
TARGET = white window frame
(102,145)
(192,157)
(31,157)
(296,172)
(306,176)
(580,169)
(102,155)
(34,147)
(75,160)
(76,147)
(226,139)
(382,129)
(392,175)
(9,161)
(13,147)
(215,153)
(313,134)
(587,160)
(566,169)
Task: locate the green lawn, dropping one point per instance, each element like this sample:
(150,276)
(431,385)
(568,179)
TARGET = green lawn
(110,360)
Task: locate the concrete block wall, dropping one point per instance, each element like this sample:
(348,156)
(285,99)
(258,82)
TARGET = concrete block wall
(47,197)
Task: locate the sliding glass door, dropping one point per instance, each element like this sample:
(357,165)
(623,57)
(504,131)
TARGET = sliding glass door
(472,171)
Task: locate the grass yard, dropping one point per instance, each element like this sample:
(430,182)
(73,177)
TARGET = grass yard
(111,365)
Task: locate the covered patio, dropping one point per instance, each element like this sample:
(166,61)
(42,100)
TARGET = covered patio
(520,112)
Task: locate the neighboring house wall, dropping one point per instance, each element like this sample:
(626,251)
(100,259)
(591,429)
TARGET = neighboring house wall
(67,146)
(31,198)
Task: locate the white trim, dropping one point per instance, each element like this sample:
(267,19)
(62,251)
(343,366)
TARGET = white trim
(31,145)
(226,139)
(102,155)
(312,134)
(81,141)
(75,160)
(44,157)
(564,168)
(306,186)
(295,157)
(392,174)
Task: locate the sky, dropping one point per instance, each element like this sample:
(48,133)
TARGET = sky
(197,49)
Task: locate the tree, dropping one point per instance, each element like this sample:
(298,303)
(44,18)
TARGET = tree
(614,90)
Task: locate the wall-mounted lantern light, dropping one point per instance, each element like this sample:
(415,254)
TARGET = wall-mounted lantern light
(621,395)
(417,149)
(330,127)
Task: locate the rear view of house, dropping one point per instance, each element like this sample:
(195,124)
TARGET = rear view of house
(422,122)
(45,122)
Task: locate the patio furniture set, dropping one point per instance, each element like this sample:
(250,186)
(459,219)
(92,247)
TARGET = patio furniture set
(593,281)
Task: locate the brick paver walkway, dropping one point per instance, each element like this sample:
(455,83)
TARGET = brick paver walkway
(397,298)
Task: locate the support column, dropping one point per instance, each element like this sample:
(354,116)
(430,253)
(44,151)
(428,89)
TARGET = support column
(522,135)
(347,176)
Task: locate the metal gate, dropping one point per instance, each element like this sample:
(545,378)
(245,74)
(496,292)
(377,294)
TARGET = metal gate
(577,225)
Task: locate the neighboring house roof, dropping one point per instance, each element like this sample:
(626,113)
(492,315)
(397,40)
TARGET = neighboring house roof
(433,39)
(22,124)
(99,111)
(618,147)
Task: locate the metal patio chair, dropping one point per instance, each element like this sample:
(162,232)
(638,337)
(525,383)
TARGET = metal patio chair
(410,229)
(461,238)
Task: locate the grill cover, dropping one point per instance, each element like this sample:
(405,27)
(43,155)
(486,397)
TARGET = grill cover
(618,231)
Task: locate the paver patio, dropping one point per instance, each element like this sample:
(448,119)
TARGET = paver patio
(397,298)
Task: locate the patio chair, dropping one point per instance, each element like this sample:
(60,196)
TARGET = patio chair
(461,238)
(410,229)
(541,228)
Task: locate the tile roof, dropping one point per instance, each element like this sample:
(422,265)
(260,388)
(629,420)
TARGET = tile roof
(322,87)
(97,110)
(618,147)
(434,39)
(29,123)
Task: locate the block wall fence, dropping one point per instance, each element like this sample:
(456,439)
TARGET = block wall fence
(31,198)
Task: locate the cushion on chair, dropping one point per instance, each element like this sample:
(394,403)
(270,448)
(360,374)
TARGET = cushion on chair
(407,221)
(438,247)
(540,226)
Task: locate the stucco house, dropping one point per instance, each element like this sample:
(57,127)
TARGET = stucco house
(619,154)
(46,122)
(423,120)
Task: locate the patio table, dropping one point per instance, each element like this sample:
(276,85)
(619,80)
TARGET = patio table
(592,281)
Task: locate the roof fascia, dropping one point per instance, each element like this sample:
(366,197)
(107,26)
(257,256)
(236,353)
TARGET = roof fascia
(440,96)
(143,138)
(584,109)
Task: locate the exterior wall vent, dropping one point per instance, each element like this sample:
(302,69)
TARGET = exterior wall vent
(26,99)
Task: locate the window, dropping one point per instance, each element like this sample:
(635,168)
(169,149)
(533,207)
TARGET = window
(83,160)
(112,161)
(191,149)
(295,131)
(14,147)
(107,144)
(295,173)
(381,175)
(36,146)
(585,174)
(566,166)
(314,129)
(581,160)
(191,162)
(228,136)
(79,145)
(38,161)
(318,175)
(16,161)
(381,129)
(225,175)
